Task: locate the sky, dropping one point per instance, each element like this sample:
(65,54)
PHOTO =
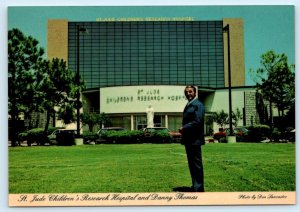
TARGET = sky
(265,27)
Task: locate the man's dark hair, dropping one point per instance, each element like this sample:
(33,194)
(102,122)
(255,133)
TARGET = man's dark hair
(191,86)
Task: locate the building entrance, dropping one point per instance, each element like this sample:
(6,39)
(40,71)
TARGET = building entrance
(141,121)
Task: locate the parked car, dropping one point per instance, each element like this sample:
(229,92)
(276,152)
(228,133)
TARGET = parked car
(103,131)
(62,137)
(240,132)
(148,132)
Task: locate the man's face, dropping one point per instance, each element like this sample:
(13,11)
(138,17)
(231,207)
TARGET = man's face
(189,94)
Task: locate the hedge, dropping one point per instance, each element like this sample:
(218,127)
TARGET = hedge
(135,136)
(90,136)
(159,137)
(36,135)
(258,133)
(123,137)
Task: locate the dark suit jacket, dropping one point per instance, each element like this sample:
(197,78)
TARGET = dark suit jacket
(193,124)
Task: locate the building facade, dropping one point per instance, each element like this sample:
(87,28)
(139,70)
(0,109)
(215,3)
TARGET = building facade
(128,66)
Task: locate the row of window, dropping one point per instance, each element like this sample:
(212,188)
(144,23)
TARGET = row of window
(172,38)
(149,25)
(116,53)
(149,62)
(141,67)
(144,82)
(160,25)
(158,34)
(150,54)
(162,58)
(158,29)
(148,77)
(150,48)
(135,45)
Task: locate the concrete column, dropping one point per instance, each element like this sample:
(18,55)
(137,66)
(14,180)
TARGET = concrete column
(166,121)
(132,122)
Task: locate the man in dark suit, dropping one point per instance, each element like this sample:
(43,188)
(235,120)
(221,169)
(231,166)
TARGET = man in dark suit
(192,131)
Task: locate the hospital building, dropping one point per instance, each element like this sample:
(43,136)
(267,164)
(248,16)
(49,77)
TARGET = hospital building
(129,66)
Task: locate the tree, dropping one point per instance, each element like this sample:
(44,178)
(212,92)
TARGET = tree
(91,119)
(66,113)
(209,120)
(103,119)
(236,116)
(60,89)
(276,81)
(24,58)
(221,118)
(36,84)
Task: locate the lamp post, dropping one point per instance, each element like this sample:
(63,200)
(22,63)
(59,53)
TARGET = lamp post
(78,31)
(226,29)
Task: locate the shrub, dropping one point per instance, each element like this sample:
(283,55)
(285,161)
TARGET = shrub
(283,135)
(219,135)
(90,136)
(160,137)
(22,136)
(258,133)
(65,138)
(123,137)
(289,135)
(223,140)
(136,136)
(36,135)
(276,135)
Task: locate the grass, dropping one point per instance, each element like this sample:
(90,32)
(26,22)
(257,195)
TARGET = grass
(149,168)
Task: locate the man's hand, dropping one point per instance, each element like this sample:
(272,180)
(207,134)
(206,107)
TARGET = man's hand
(180,130)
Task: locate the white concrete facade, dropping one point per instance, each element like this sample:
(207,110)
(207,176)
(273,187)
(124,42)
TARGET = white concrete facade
(167,101)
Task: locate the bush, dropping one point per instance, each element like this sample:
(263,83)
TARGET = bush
(276,135)
(289,135)
(283,135)
(90,137)
(123,137)
(65,138)
(223,140)
(219,135)
(258,133)
(22,136)
(36,135)
(136,136)
(160,137)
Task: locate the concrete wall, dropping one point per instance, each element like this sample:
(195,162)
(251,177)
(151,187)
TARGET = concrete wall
(237,54)
(57,45)
(242,98)
(136,99)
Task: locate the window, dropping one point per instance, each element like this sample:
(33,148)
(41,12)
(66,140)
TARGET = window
(124,53)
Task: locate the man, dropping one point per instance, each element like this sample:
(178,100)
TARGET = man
(192,131)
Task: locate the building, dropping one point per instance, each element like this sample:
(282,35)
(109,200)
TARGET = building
(131,65)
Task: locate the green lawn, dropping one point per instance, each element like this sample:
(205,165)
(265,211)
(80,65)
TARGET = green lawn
(149,168)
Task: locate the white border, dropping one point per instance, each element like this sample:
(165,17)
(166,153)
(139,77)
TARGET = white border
(3,93)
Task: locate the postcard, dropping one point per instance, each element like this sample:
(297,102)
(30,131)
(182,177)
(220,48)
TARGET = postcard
(151,105)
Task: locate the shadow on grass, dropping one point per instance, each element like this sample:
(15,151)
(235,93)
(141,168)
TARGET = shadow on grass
(182,189)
